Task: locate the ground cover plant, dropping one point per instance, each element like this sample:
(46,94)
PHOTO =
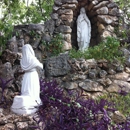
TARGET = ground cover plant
(121,101)
(59,112)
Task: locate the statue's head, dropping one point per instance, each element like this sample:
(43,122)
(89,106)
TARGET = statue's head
(82,10)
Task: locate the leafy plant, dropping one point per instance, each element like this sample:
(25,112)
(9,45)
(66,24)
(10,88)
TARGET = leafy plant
(59,112)
(77,53)
(55,47)
(108,49)
(121,101)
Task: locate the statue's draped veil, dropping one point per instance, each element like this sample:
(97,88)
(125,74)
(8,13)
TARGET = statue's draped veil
(28,61)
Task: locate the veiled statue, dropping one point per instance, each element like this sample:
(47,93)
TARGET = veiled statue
(83,30)
(29,100)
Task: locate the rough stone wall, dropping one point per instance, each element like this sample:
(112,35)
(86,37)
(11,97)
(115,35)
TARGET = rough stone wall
(103,15)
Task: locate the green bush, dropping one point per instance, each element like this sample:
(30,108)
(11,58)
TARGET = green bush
(108,49)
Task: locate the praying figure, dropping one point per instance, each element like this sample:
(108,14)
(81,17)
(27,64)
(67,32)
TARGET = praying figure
(29,100)
(83,30)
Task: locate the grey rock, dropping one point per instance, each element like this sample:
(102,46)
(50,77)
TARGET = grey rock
(111,71)
(82,77)
(38,54)
(92,64)
(6,73)
(56,8)
(118,117)
(113,88)
(76,77)
(20,42)
(35,42)
(91,86)
(1,110)
(107,19)
(92,4)
(69,6)
(84,66)
(65,17)
(106,34)
(112,5)
(127,70)
(8,56)
(36,27)
(123,85)
(120,68)
(70,85)
(67,37)
(66,45)
(67,22)
(110,28)
(102,73)
(127,62)
(22,125)
(49,26)
(101,4)
(65,11)
(12,44)
(103,10)
(120,76)
(58,22)
(3,119)
(63,29)
(58,2)
(92,73)
(101,28)
(105,81)
(9,126)
(46,37)
(57,66)
(70,1)
(114,12)
(54,16)
(126,52)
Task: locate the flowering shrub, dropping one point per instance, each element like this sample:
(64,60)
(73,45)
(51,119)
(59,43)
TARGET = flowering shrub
(59,112)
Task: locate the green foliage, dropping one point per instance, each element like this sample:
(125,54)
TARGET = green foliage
(77,53)
(55,47)
(17,12)
(108,49)
(122,103)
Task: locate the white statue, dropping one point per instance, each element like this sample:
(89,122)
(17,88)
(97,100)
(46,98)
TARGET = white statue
(29,99)
(83,30)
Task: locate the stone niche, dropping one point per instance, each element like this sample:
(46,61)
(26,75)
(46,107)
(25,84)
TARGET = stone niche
(103,15)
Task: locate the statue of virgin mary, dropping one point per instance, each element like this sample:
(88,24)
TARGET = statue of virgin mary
(83,30)
(29,100)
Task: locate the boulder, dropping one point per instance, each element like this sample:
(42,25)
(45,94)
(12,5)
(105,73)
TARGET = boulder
(57,66)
